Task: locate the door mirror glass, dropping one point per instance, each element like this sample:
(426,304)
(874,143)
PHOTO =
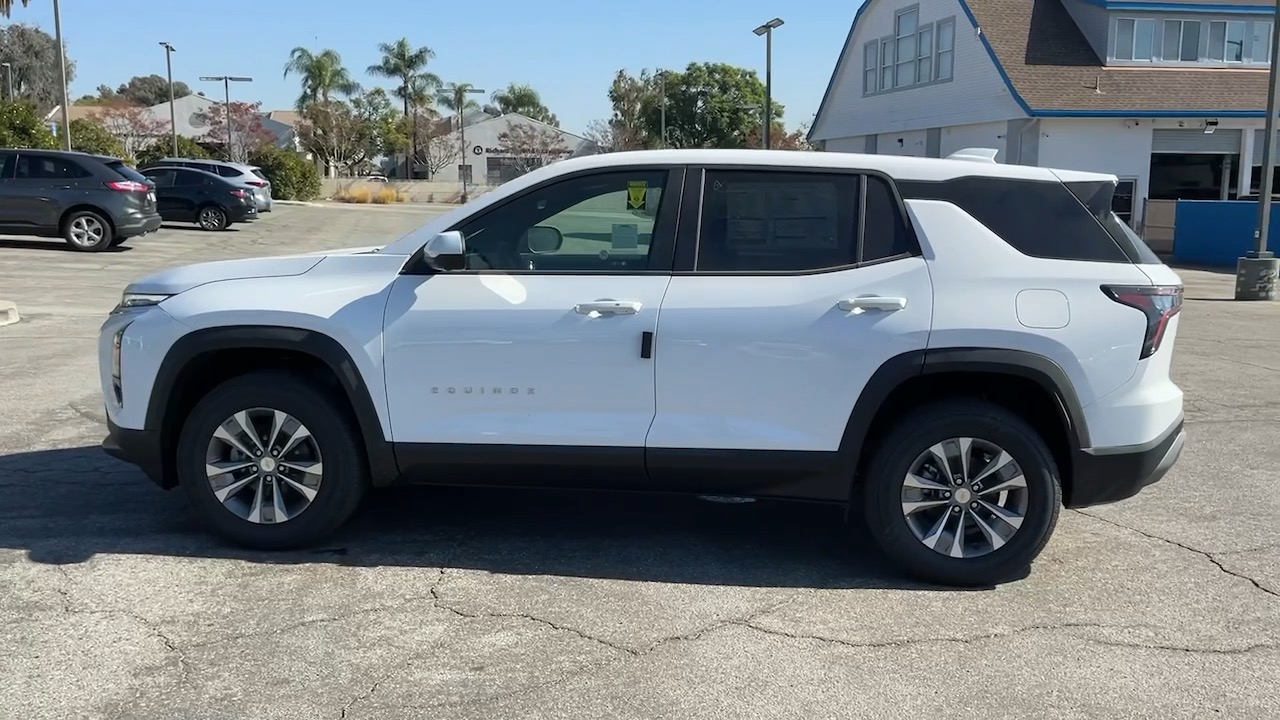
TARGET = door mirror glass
(543,239)
(446,251)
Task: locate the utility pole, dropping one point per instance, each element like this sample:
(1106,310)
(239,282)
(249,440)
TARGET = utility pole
(459,96)
(8,75)
(173,113)
(1256,271)
(62,69)
(767,31)
(226,81)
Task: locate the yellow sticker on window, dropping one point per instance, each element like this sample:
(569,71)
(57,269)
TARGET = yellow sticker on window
(637,194)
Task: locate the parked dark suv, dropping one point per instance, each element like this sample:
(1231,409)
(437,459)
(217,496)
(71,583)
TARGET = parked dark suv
(91,201)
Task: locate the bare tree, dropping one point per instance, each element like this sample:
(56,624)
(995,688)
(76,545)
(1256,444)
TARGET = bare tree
(437,145)
(132,124)
(605,136)
(532,146)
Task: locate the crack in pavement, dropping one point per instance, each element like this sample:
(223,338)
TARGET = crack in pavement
(1208,556)
(398,605)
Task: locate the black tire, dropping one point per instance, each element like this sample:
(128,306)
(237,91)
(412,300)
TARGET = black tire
(87,231)
(212,218)
(345,469)
(884,481)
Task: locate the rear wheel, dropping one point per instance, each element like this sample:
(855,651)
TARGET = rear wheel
(212,217)
(87,231)
(962,493)
(271,462)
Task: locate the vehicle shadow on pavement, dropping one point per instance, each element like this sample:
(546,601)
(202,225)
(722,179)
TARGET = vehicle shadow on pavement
(196,228)
(55,245)
(65,506)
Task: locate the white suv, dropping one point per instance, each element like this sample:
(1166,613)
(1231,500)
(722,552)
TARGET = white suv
(953,347)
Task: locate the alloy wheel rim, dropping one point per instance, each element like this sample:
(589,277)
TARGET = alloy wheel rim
(264,466)
(86,231)
(210,218)
(964,497)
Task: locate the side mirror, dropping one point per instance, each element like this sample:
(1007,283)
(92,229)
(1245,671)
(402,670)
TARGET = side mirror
(446,251)
(543,239)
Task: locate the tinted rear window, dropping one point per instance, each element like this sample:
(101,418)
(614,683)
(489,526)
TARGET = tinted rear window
(126,172)
(1042,219)
(258,172)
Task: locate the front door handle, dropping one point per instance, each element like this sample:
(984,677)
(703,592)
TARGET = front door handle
(873,302)
(608,307)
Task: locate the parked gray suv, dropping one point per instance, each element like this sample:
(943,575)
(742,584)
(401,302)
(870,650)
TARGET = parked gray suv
(251,176)
(91,201)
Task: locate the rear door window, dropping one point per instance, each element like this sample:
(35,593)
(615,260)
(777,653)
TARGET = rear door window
(37,167)
(228,171)
(187,178)
(9,159)
(126,172)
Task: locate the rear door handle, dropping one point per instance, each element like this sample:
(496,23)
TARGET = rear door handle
(873,302)
(608,307)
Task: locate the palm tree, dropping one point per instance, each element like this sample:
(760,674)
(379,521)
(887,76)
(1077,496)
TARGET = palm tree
(322,75)
(454,97)
(402,62)
(522,98)
(6,7)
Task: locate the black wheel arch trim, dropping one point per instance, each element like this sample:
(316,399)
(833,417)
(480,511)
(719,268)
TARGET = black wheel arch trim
(383,467)
(901,368)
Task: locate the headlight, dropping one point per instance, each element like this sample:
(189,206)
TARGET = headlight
(133,301)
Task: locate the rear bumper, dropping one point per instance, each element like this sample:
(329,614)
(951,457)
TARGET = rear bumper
(138,447)
(140,225)
(1107,475)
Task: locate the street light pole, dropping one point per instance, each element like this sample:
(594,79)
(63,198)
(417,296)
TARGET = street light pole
(226,81)
(767,31)
(663,74)
(1256,271)
(62,69)
(173,113)
(459,94)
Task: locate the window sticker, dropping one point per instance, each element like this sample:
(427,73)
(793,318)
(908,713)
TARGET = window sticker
(637,194)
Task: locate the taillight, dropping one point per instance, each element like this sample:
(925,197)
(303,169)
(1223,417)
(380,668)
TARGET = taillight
(128,186)
(238,192)
(1158,302)
(256,183)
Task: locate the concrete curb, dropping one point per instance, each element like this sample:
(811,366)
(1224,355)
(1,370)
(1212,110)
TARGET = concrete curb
(297,203)
(8,313)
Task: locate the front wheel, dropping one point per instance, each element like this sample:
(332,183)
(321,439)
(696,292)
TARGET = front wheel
(270,462)
(962,493)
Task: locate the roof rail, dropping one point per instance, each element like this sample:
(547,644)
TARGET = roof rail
(975,154)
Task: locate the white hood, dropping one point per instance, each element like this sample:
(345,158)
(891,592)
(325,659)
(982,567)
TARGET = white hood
(183,278)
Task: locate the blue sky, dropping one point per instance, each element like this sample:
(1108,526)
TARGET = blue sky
(569,54)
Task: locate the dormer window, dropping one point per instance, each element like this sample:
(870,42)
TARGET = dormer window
(1181,40)
(1135,39)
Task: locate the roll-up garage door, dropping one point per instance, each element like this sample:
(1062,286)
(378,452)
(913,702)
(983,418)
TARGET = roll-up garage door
(1258,137)
(1219,142)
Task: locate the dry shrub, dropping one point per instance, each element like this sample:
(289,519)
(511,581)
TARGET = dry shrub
(354,195)
(385,196)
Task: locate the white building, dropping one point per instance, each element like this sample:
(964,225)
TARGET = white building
(1168,95)
(494,148)
(189,115)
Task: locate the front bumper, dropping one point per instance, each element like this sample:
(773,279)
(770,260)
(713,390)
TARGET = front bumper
(138,447)
(1107,475)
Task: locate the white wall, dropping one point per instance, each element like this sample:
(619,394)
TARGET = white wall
(976,94)
(986,135)
(1101,145)
(855,144)
(913,143)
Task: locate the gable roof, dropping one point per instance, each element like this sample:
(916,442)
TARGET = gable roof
(1052,71)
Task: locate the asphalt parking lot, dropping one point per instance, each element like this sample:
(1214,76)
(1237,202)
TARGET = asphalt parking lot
(478,604)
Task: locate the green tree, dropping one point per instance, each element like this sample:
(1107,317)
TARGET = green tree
(322,75)
(522,98)
(630,96)
(91,136)
(145,90)
(385,127)
(21,127)
(32,55)
(6,7)
(709,105)
(417,87)
(292,176)
(457,97)
(163,148)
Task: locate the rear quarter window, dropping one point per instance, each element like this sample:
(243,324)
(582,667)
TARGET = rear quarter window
(126,172)
(1043,219)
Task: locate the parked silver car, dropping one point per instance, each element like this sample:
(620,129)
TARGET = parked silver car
(251,176)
